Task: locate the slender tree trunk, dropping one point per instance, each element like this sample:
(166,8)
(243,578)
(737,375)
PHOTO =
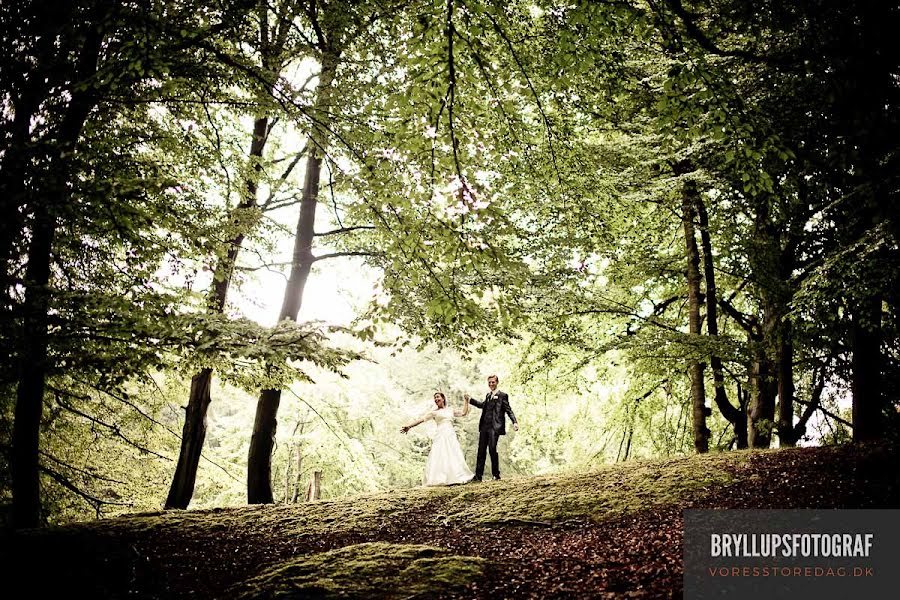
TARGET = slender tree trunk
(296,495)
(628,444)
(733,415)
(259,460)
(292,482)
(815,401)
(194,431)
(26,509)
(315,487)
(865,381)
(763,377)
(271,43)
(288,473)
(192,438)
(699,410)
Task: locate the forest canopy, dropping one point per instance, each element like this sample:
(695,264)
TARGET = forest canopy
(669,227)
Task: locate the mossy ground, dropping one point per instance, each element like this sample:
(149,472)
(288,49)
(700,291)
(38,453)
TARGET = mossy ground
(614,531)
(361,570)
(604,493)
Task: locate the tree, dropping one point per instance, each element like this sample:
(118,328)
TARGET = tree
(274,48)
(92,311)
(432,267)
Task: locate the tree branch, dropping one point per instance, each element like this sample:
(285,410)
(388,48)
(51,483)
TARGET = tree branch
(282,178)
(113,428)
(827,413)
(345,230)
(533,91)
(350,253)
(743,320)
(78,470)
(694,31)
(92,500)
(814,403)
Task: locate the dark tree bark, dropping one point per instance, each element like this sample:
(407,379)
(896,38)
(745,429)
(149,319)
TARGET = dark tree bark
(785,378)
(192,438)
(259,460)
(865,381)
(761,413)
(26,509)
(733,415)
(699,410)
(766,264)
(815,401)
(194,431)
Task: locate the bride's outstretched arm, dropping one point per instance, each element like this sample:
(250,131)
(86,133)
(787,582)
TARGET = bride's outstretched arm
(409,426)
(465,410)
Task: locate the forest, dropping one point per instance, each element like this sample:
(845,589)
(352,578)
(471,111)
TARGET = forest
(244,241)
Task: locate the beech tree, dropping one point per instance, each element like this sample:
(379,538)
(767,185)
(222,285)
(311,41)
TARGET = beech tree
(274,47)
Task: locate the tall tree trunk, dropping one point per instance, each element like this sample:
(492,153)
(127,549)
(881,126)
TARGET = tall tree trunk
(733,415)
(193,434)
(315,487)
(865,381)
(761,413)
(699,410)
(192,438)
(767,263)
(785,360)
(292,481)
(271,42)
(25,464)
(26,508)
(259,460)
(288,473)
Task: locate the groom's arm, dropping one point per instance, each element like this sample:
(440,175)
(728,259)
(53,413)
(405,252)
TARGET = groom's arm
(475,402)
(509,411)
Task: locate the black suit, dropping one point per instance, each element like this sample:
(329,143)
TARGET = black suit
(491,426)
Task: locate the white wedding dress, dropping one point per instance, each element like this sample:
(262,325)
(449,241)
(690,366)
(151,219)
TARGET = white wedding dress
(446,464)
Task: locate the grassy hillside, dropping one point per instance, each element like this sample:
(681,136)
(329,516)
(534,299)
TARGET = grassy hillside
(612,532)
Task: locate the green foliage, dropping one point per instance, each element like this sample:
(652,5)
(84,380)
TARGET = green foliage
(514,173)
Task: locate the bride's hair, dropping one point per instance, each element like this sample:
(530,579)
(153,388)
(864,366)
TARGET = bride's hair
(441,394)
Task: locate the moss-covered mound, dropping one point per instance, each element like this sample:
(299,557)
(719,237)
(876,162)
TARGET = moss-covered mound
(615,531)
(366,570)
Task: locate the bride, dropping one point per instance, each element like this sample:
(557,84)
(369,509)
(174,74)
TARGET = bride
(446,464)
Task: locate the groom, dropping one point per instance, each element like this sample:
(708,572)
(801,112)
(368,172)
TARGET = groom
(491,426)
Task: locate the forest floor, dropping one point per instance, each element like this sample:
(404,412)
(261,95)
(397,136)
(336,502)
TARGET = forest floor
(615,532)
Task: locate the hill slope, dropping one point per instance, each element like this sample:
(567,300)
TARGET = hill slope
(612,532)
